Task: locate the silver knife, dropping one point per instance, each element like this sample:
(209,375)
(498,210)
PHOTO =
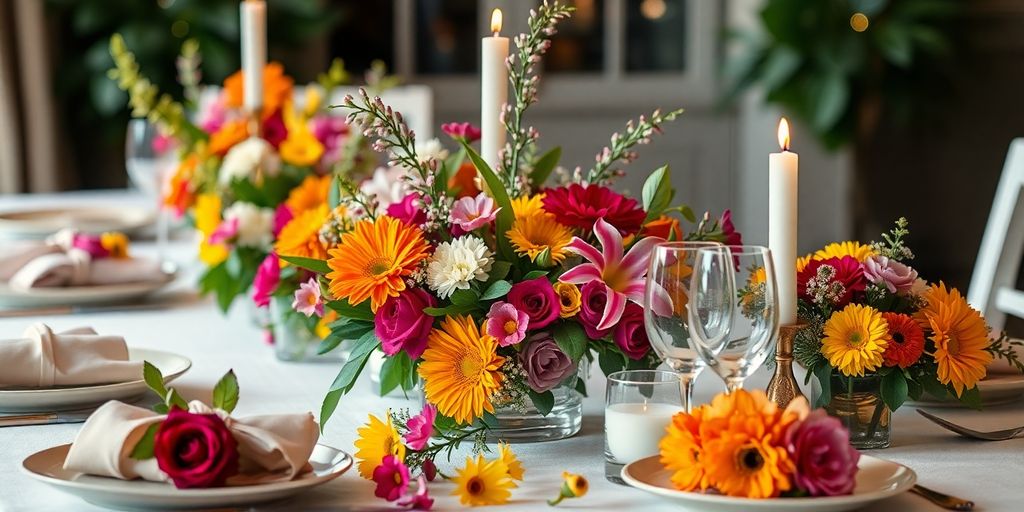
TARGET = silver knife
(44,418)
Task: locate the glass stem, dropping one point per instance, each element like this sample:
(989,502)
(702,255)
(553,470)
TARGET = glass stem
(733,384)
(686,390)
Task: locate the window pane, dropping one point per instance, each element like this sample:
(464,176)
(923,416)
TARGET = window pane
(363,34)
(579,44)
(446,36)
(655,35)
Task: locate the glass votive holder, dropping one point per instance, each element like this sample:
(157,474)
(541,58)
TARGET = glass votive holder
(639,405)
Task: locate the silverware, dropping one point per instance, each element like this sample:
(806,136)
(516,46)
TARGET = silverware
(45,418)
(998,435)
(169,301)
(943,500)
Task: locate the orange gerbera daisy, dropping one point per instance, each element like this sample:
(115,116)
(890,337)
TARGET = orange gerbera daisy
(277,88)
(540,237)
(311,193)
(464,181)
(231,133)
(960,336)
(461,369)
(528,205)
(301,236)
(663,227)
(372,260)
(682,453)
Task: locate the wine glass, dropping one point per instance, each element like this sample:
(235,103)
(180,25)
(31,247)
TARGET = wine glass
(668,280)
(149,160)
(734,292)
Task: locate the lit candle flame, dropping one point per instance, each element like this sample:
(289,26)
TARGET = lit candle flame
(496,21)
(784,134)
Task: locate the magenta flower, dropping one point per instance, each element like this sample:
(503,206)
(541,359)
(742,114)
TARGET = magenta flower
(419,500)
(274,130)
(470,213)
(593,300)
(400,323)
(731,236)
(91,244)
(282,216)
(826,464)
(308,300)
(429,469)
(622,275)
(268,275)
(331,132)
(392,478)
(163,143)
(225,232)
(213,117)
(421,427)
(408,210)
(629,334)
(538,299)
(895,276)
(464,131)
(506,323)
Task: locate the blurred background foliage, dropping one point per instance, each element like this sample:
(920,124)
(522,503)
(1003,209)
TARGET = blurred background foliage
(837,64)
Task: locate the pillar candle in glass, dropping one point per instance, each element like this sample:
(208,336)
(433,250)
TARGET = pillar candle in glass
(639,405)
(493,92)
(254,52)
(783,177)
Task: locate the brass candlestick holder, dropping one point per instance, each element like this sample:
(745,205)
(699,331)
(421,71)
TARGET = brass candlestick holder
(783,387)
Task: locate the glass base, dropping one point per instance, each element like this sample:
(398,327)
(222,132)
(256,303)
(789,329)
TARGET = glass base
(861,410)
(564,420)
(613,472)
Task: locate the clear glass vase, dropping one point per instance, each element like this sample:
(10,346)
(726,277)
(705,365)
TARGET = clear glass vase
(857,403)
(530,426)
(295,338)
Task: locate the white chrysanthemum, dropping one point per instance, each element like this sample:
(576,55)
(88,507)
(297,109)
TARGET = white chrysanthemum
(457,263)
(385,187)
(431,150)
(243,158)
(255,224)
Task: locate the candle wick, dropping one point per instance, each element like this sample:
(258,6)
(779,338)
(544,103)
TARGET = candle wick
(495,34)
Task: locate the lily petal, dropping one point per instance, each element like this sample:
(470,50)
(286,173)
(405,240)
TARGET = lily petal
(611,242)
(635,263)
(612,310)
(581,274)
(586,250)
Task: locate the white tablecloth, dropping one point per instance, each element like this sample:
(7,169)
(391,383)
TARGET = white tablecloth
(991,474)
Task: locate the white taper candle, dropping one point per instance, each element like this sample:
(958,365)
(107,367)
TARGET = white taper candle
(254,51)
(783,177)
(493,92)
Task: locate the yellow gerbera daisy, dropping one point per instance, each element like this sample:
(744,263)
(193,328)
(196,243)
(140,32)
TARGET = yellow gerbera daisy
(568,299)
(311,193)
(301,149)
(527,205)
(855,339)
(482,482)
(802,262)
(377,439)
(208,217)
(372,260)
(116,244)
(301,236)
(540,236)
(859,251)
(960,336)
(515,468)
(460,369)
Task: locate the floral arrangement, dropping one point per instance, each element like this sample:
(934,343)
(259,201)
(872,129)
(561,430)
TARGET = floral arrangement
(869,314)
(742,444)
(111,244)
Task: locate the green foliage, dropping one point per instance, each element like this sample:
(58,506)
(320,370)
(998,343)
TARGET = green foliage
(225,392)
(657,193)
(231,277)
(544,402)
(398,371)
(497,190)
(894,389)
(543,166)
(571,338)
(311,264)
(346,378)
(145,447)
(496,290)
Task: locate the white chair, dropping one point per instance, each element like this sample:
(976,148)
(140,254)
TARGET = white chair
(993,284)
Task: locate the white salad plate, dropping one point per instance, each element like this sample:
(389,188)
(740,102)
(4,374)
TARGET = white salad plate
(877,480)
(80,295)
(80,397)
(35,223)
(47,466)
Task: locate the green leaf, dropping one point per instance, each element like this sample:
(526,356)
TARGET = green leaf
(932,386)
(334,193)
(895,42)
(543,166)
(394,372)
(571,338)
(311,264)
(144,448)
(346,378)
(824,374)
(688,213)
(581,387)
(346,310)
(225,393)
(914,389)
(496,290)
(328,407)
(780,65)
(534,274)
(154,379)
(161,408)
(500,195)
(449,310)
(544,402)
(830,96)
(610,361)
(971,398)
(657,192)
(894,390)
(173,399)
(499,270)
(351,330)
(467,297)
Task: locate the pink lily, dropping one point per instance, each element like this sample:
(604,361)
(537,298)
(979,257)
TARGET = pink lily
(623,275)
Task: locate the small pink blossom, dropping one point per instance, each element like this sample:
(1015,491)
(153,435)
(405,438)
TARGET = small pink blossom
(268,275)
(308,300)
(470,213)
(392,478)
(163,143)
(421,427)
(268,336)
(225,232)
(409,210)
(507,324)
(464,131)
(214,116)
(419,500)
(895,276)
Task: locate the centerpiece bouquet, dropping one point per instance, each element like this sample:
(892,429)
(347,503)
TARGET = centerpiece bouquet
(878,334)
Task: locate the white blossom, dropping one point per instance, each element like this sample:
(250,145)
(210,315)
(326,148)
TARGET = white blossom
(454,265)
(244,158)
(255,224)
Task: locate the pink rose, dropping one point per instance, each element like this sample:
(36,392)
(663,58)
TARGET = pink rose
(538,299)
(895,276)
(401,324)
(593,298)
(420,428)
(268,275)
(545,364)
(506,323)
(274,130)
(465,131)
(825,462)
(408,210)
(629,334)
(195,450)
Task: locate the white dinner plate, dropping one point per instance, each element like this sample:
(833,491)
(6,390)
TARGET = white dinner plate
(79,295)
(42,222)
(47,466)
(877,479)
(81,397)
(995,389)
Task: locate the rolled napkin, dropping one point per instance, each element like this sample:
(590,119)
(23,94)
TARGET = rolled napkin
(18,254)
(76,267)
(271,448)
(42,359)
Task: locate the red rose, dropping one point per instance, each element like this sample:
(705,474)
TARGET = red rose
(629,334)
(195,450)
(536,298)
(594,297)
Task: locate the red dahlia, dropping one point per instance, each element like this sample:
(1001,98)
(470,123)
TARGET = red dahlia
(907,340)
(580,207)
(836,283)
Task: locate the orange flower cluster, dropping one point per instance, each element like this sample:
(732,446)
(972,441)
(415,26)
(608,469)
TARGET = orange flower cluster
(735,444)
(277,88)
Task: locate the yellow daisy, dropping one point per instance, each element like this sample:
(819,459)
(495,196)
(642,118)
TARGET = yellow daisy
(802,262)
(116,244)
(568,299)
(482,482)
(855,339)
(460,369)
(373,260)
(208,217)
(377,439)
(540,237)
(311,193)
(960,336)
(527,205)
(515,468)
(301,236)
(856,249)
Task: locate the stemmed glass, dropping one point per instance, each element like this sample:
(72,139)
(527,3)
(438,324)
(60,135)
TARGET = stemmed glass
(734,310)
(668,281)
(148,168)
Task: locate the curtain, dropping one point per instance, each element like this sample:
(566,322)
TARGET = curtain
(29,146)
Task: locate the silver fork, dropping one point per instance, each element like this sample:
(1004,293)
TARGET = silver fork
(998,435)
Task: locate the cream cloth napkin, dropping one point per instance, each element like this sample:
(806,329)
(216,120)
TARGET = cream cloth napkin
(42,358)
(271,448)
(18,254)
(76,267)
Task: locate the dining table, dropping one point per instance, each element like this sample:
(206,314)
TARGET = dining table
(178,320)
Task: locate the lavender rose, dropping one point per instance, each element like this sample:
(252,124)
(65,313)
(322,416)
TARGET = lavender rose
(195,450)
(820,448)
(545,364)
(593,297)
(401,324)
(536,298)
(629,334)
(895,276)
